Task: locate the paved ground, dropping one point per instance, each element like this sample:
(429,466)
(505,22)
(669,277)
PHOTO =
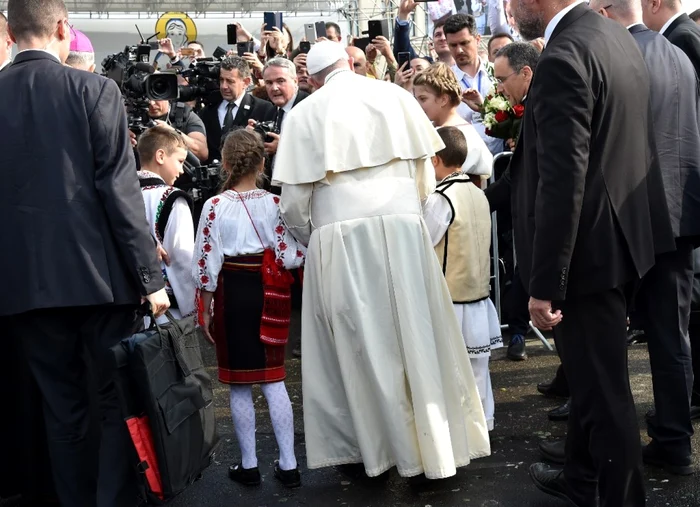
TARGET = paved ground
(500,480)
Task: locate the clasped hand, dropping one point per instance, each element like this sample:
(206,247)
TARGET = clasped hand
(542,315)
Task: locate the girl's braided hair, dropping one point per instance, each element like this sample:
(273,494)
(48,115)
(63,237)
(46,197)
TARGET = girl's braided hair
(242,155)
(440,78)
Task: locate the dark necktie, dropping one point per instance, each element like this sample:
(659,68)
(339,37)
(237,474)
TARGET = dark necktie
(228,119)
(280,117)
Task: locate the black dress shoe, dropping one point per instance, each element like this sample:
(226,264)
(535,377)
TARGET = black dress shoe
(635,337)
(549,390)
(516,348)
(245,476)
(551,481)
(352,471)
(560,413)
(554,452)
(654,455)
(289,478)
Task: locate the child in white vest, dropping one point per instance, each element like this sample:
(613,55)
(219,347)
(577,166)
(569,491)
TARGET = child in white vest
(459,220)
(162,153)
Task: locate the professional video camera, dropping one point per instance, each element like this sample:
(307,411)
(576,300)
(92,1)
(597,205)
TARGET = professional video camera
(201,182)
(135,76)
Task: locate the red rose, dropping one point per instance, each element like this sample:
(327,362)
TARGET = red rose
(215,200)
(276,199)
(207,247)
(488,132)
(205,231)
(283,246)
(205,279)
(212,215)
(518,110)
(202,263)
(279,230)
(501,116)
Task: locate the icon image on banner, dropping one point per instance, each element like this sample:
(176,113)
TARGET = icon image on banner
(180,28)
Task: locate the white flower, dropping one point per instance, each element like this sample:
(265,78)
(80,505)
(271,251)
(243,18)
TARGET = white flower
(498,104)
(489,120)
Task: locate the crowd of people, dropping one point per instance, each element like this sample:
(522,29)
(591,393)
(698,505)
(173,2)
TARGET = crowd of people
(372,197)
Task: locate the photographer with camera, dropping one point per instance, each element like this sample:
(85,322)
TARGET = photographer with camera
(180,117)
(232,106)
(280,78)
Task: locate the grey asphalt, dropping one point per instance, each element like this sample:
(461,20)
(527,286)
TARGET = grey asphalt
(500,480)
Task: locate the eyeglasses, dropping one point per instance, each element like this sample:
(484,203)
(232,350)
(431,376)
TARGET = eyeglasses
(501,80)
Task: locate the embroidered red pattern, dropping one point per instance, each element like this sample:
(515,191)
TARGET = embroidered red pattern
(206,248)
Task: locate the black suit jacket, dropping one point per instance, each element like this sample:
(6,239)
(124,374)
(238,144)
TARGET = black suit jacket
(580,175)
(252,108)
(72,219)
(675,109)
(685,34)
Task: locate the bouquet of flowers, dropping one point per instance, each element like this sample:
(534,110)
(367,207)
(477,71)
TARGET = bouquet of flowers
(501,120)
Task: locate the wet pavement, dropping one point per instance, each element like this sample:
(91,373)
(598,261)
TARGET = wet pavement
(500,480)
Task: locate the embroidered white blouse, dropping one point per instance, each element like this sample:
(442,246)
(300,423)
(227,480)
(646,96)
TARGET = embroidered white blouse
(225,229)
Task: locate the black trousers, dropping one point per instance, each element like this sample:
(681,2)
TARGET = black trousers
(664,303)
(54,341)
(517,310)
(602,446)
(694,334)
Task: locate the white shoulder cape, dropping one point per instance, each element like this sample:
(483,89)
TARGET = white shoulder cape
(352,122)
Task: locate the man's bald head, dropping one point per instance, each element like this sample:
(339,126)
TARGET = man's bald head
(5,41)
(655,13)
(359,59)
(3,25)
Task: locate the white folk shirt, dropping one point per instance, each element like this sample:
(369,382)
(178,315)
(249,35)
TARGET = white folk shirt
(226,230)
(178,242)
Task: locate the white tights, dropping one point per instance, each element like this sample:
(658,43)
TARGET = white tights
(243,413)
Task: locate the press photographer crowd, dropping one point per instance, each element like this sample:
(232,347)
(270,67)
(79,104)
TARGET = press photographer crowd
(151,210)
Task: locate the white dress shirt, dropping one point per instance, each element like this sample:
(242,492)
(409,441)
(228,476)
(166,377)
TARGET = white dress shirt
(556,19)
(52,53)
(671,20)
(234,111)
(5,63)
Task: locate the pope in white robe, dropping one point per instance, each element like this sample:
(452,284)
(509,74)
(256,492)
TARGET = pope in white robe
(386,376)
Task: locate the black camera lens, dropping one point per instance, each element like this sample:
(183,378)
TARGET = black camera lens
(162,87)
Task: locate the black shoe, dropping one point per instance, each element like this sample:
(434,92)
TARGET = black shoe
(554,452)
(653,455)
(549,390)
(635,337)
(245,476)
(352,471)
(289,478)
(560,413)
(516,349)
(551,481)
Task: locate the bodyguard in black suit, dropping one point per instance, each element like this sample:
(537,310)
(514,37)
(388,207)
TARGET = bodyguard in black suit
(232,107)
(583,190)
(669,18)
(77,255)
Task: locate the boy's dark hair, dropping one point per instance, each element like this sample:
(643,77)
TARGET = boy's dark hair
(158,138)
(455,152)
(695,15)
(34,18)
(458,22)
(195,42)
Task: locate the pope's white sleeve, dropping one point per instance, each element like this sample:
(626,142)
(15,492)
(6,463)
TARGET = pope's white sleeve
(437,214)
(295,206)
(425,178)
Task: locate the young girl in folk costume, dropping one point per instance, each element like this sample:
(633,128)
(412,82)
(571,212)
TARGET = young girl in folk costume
(437,91)
(458,218)
(162,152)
(242,254)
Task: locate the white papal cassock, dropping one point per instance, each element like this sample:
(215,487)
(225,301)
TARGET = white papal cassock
(386,377)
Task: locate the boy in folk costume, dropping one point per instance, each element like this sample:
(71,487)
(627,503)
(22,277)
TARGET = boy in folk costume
(459,221)
(162,152)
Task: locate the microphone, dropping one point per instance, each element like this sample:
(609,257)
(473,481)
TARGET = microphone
(145,67)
